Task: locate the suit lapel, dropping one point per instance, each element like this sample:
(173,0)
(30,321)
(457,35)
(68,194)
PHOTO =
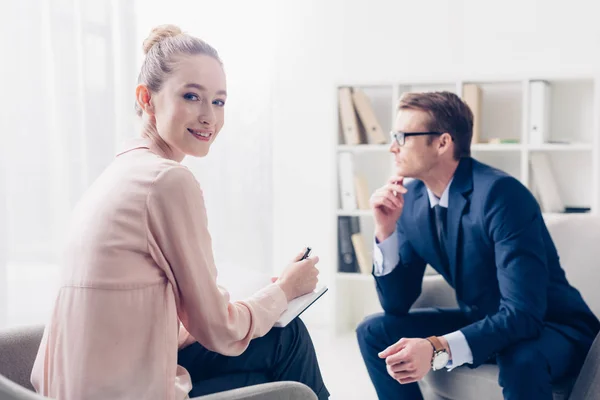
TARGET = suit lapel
(461,187)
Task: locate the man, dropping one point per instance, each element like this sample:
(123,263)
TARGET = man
(483,231)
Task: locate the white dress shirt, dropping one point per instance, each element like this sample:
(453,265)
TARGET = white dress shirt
(387,255)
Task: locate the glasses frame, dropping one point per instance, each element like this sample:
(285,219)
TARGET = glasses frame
(400,137)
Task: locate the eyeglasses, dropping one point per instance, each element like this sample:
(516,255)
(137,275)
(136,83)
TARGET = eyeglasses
(400,137)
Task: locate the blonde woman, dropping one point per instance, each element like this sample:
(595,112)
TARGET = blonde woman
(140,279)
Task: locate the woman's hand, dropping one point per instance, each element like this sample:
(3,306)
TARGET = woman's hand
(299,277)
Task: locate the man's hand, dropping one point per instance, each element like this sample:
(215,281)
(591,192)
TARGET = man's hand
(408,360)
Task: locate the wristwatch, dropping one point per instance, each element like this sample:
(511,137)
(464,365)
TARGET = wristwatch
(440,356)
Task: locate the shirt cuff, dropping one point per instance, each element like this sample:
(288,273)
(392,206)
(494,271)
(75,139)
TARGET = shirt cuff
(460,350)
(386,255)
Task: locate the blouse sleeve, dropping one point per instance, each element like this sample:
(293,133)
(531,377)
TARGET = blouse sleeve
(180,243)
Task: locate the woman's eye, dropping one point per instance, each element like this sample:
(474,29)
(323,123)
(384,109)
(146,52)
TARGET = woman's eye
(219,103)
(191,96)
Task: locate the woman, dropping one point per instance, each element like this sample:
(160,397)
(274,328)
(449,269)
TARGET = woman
(139,269)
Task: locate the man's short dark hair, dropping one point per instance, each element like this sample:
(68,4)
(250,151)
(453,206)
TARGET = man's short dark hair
(447,113)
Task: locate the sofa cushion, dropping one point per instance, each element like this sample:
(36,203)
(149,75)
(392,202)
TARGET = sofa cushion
(577,239)
(469,384)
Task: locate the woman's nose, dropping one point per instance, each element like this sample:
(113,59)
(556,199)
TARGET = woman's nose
(207,115)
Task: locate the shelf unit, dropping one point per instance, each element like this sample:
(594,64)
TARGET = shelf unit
(504,113)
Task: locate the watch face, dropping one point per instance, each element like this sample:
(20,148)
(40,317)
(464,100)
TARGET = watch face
(440,360)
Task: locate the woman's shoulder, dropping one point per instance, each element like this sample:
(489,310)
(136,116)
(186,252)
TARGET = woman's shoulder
(173,176)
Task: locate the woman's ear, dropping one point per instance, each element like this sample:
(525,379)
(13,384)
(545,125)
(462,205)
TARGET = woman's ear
(143,97)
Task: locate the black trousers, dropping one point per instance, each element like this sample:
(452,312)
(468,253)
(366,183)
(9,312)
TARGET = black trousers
(527,369)
(283,354)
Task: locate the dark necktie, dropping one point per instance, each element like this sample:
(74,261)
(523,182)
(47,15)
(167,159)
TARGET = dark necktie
(440,225)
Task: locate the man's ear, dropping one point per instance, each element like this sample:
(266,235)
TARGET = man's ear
(144,97)
(444,142)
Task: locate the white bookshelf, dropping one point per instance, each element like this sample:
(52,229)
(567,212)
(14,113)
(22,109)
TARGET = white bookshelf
(574,154)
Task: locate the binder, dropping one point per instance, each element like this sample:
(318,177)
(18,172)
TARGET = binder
(365,261)
(348,120)
(539,112)
(373,132)
(545,184)
(347,226)
(361,189)
(346,180)
(472,97)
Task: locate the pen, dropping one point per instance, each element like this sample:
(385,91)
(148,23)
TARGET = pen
(306,253)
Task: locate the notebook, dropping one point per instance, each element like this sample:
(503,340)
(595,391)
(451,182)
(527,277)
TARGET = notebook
(242,284)
(298,305)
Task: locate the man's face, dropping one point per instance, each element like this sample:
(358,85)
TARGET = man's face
(416,157)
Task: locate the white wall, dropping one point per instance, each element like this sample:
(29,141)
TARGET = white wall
(284,59)
(236,176)
(322,43)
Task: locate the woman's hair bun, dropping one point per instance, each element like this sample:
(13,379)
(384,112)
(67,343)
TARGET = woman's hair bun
(160,33)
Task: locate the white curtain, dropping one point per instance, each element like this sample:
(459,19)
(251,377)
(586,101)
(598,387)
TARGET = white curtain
(237,175)
(66,105)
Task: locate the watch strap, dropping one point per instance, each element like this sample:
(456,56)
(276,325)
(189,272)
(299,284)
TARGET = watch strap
(435,342)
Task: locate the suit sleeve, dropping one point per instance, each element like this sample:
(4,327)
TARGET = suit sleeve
(514,224)
(399,289)
(180,243)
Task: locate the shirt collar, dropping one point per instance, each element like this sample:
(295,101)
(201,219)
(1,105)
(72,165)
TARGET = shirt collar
(142,143)
(442,201)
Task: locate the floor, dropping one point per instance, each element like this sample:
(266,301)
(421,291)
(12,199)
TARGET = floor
(341,364)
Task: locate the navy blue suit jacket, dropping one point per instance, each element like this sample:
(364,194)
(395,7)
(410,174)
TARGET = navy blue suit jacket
(503,264)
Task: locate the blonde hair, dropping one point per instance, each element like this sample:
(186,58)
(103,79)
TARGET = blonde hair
(161,47)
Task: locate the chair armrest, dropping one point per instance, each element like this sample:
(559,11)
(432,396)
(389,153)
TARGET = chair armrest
(18,349)
(266,391)
(587,385)
(436,292)
(9,390)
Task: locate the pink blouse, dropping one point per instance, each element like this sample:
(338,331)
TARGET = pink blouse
(139,275)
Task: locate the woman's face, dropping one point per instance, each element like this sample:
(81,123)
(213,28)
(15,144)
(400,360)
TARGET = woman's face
(189,109)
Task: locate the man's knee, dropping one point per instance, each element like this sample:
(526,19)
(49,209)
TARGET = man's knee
(522,364)
(373,331)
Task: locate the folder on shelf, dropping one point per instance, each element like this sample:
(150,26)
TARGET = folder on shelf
(347,226)
(365,261)
(472,96)
(361,189)
(346,181)
(544,183)
(348,117)
(373,132)
(539,112)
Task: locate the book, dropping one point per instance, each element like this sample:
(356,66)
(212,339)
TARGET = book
(361,191)
(471,94)
(242,284)
(365,260)
(298,306)
(503,141)
(545,184)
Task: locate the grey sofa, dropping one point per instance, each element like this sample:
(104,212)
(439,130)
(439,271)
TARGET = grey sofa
(18,348)
(577,238)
